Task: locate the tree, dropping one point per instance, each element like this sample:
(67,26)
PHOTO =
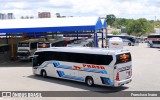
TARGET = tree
(120,22)
(116,32)
(110,19)
(130,27)
(139,27)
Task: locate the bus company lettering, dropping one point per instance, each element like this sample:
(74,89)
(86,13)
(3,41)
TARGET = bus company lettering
(93,66)
(77,67)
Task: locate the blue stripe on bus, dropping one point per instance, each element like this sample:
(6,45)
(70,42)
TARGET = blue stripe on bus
(103,72)
(73,77)
(57,64)
(58,73)
(62,74)
(95,70)
(64,66)
(107,81)
(66,76)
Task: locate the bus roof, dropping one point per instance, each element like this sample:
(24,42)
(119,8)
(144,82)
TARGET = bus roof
(153,34)
(129,36)
(86,50)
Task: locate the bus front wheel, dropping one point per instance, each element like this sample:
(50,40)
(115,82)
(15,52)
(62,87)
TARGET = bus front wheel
(89,81)
(43,73)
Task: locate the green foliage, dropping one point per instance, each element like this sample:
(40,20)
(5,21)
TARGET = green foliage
(115,32)
(157,24)
(120,22)
(110,19)
(139,27)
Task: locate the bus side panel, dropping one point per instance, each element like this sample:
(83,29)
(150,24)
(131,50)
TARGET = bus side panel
(79,72)
(65,70)
(105,77)
(51,70)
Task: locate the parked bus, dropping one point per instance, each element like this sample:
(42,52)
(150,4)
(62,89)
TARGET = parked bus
(99,66)
(142,39)
(54,43)
(25,49)
(153,40)
(115,43)
(127,40)
(82,43)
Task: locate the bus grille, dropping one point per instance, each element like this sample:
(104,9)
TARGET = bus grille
(23,54)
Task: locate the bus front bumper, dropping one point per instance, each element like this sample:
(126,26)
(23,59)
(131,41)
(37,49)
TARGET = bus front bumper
(36,71)
(23,57)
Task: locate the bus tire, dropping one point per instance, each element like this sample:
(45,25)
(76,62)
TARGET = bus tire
(129,44)
(43,73)
(89,81)
(151,46)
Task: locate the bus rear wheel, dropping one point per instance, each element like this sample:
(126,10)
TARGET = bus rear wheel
(129,44)
(89,81)
(43,73)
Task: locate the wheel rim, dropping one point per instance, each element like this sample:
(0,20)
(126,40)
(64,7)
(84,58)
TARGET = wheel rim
(44,74)
(89,82)
(129,44)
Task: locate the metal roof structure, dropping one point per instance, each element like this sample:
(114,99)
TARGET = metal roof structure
(104,23)
(50,25)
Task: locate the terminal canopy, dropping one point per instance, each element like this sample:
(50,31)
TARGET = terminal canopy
(50,25)
(104,23)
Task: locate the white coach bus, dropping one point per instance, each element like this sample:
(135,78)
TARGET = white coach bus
(90,65)
(127,40)
(25,49)
(153,40)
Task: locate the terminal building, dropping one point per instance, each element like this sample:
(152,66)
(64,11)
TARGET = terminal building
(44,15)
(6,16)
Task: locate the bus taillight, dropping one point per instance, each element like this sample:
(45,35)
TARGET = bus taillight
(131,72)
(117,76)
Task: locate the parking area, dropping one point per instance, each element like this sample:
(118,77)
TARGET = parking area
(18,76)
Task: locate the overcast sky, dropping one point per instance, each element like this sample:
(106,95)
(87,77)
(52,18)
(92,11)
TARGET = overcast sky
(120,8)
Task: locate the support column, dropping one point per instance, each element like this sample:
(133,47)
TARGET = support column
(102,39)
(106,32)
(95,40)
(7,38)
(77,37)
(12,47)
(23,37)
